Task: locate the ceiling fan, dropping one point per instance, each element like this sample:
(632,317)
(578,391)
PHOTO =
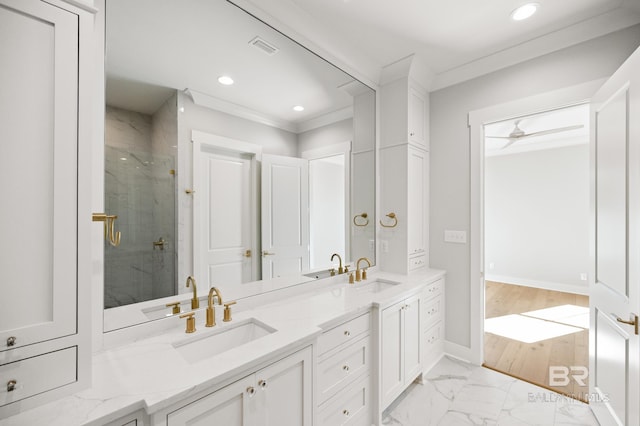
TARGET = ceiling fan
(517,133)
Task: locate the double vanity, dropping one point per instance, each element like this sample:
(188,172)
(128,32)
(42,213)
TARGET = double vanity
(324,353)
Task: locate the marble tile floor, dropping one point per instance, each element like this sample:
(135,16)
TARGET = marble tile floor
(457,393)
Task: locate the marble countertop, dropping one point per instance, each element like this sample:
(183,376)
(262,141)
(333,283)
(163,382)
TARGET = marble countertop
(151,374)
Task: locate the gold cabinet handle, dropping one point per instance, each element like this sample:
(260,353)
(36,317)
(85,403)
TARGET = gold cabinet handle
(363,216)
(11,341)
(345,412)
(247,253)
(345,368)
(262,384)
(393,217)
(347,333)
(189,191)
(11,385)
(633,322)
(266,253)
(251,391)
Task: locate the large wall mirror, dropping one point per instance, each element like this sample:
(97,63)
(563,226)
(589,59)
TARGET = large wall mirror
(232,154)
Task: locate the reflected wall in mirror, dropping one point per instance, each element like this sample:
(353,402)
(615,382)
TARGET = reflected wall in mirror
(229,183)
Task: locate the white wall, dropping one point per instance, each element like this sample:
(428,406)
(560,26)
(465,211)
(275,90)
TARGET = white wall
(341,131)
(537,218)
(450,176)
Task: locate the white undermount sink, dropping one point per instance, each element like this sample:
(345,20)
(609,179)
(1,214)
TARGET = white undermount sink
(227,337)
(374,286)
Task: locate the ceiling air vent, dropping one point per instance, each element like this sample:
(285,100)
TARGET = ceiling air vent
(264,46)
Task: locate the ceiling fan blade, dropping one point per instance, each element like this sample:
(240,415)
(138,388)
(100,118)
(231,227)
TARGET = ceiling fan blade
(551,131)
(511,142)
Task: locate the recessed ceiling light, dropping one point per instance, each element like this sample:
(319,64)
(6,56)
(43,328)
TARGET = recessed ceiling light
(226,80)
(298,108)
(524,11)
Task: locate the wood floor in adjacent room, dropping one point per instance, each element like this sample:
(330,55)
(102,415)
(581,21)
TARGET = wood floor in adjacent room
(531,361)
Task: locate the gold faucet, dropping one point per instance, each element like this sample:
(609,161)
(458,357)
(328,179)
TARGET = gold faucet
(340,269)
(195,303)
(211,312)
(363,276)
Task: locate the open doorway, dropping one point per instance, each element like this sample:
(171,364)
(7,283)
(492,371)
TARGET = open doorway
(536,248)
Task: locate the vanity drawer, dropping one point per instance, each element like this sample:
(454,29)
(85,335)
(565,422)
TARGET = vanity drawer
(352,406)
(343,367)
(347,332)
(431,312)
(417,262)
(37,374)
(434,289)
(433,337)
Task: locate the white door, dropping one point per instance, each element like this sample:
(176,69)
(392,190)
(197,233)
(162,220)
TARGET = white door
(38,171)
(412,339)
(285,216)
(224,233)
(614,297)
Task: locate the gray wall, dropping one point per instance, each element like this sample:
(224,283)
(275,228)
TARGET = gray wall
(450,179)
(537,218)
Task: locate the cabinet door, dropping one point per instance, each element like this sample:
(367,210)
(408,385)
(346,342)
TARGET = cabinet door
(284,392)
(391,353)
(412,338)
(229,406)
(38,171)
(417,184)
(417,118)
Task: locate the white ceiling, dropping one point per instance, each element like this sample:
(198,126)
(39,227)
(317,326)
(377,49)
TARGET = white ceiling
(156,46)
(455,40)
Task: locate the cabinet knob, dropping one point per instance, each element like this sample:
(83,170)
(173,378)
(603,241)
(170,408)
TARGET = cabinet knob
(345,367)
(11,385)
(11,341)
(347,333)
(345,412)
(262,384)
(251,391)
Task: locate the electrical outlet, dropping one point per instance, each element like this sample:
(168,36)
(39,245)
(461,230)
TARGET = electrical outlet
(459,237)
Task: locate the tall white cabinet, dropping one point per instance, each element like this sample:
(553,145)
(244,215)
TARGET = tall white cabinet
(404,180)
(44,140)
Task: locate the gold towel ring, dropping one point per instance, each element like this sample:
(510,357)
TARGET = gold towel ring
(362,215)
(395,221)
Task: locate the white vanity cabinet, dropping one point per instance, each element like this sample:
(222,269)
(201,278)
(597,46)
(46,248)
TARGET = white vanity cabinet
(432,322)
(405,192)
(400,348)
(404,114)
(277,395)
(45,178)
(343,372)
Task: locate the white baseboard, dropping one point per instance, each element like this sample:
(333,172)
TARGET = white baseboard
(546,285)
(461,353)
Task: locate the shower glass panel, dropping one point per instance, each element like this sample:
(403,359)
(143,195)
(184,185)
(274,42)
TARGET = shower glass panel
(140,190)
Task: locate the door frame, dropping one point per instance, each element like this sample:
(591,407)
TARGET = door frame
(547,101)
(221,143)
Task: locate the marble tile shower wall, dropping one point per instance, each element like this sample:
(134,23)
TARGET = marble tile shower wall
(140,189)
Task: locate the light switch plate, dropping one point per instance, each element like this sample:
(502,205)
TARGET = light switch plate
(459,237)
